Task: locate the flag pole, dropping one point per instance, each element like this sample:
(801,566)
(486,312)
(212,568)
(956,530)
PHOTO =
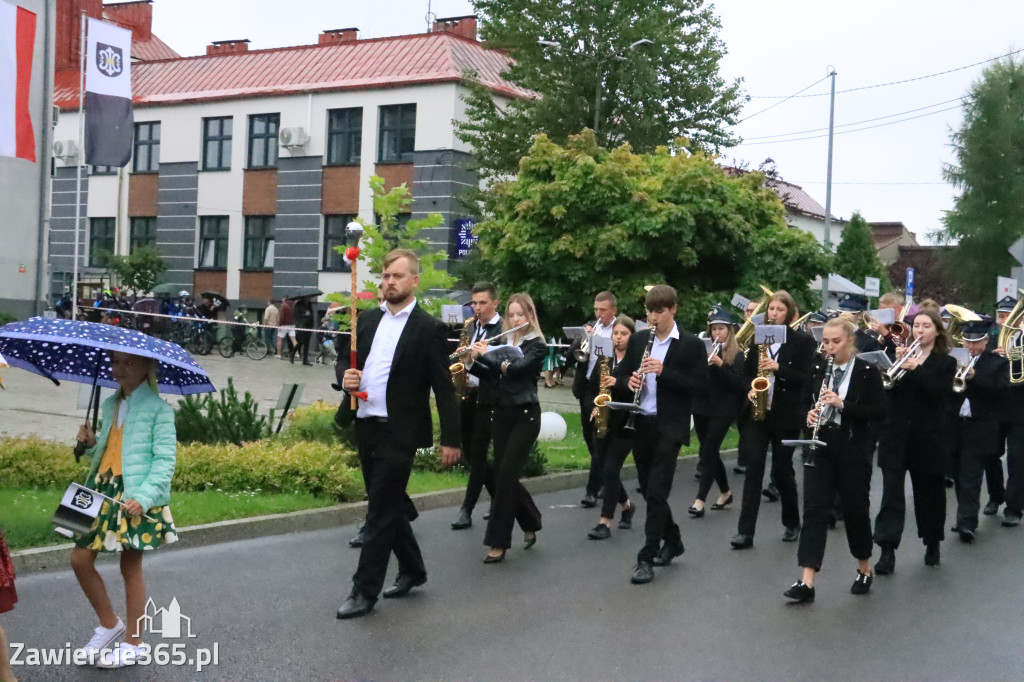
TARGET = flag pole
(78,167)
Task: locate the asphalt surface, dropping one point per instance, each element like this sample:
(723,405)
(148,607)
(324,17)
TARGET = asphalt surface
(565,610)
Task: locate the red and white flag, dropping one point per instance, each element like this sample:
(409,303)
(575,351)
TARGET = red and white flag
(17,42)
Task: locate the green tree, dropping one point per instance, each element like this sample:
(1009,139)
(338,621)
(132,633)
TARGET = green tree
(856,257)
(988,214)
(139,271)
(649,93)
(580,218)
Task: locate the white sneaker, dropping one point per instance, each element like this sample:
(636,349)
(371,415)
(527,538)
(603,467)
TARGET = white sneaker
(105,638)
(124,654)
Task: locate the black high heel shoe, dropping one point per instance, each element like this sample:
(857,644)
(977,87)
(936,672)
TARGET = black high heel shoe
(695,513)
(495,559)
(529,540)
(716,506)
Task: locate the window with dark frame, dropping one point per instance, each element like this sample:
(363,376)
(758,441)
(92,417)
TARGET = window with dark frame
(103,170)
(217,143)
(213,241)
(101,240)
(147,147)
(259,243)
(344,136)
(397,138)
(335,235)
(143,232)
(263,129)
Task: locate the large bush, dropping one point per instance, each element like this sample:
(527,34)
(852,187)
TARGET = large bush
(227,419)
(315,423)
(33,462)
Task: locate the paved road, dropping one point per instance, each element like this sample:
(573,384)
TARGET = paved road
(32,404)
(565,609)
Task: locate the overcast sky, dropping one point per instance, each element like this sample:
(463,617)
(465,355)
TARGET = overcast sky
(891,172)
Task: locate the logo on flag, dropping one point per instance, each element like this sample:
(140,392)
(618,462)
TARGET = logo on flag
(109,60)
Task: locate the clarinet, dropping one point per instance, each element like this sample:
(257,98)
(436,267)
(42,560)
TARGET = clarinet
(826,385)
(631,422)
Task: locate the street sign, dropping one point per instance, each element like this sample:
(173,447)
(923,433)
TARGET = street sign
(872,286)
(910,284)
(1005,286)
(1017,250)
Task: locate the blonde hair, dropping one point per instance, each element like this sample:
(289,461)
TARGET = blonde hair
(731,348)
(844,322)
(529,309)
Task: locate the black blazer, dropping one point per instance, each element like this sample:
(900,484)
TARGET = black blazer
(518,385)
(914,431)
(863,406)
(796,360)
(988,389)
(683,380)
(486,393)
(420,364)
(727,390)
(616,418)
(866,341)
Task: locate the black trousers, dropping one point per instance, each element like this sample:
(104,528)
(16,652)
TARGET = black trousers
(655,457)
(711,432)
(979,448)
(389,512)
(755,437)
(302,339)
(613,451)
(586,406)
(1015,467)
(929,507)
(476,440)
(515,431)
(844,469)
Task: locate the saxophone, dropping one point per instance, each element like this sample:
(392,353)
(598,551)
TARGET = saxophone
(760,386)
(600,414)
(458,369)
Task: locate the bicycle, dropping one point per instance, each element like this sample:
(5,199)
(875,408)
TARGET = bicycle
(252,344)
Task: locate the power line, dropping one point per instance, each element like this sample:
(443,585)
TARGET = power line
(780,101)
(855,123)
(855,130)
(883,85)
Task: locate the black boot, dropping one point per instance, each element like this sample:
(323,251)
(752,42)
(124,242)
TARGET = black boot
(465,520)
(887,562)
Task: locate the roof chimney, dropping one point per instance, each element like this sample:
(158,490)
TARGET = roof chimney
(136,15)
(219,47)
(460,26)
(69,30)
(339,35)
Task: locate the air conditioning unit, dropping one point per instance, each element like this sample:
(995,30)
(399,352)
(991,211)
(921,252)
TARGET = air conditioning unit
(293,137)
(66,150)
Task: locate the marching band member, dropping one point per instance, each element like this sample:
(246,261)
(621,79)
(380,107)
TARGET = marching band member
(913,439)
(727,388)
(1012,432)
(790,366)
(978,424)
(849,411)
(668,380)
(995,481)
(613,448)
(605,310)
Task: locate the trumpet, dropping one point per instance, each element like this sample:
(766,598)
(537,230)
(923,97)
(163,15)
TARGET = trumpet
(454,358)
(960,380)
(582,354)
(896,372)
(715,350)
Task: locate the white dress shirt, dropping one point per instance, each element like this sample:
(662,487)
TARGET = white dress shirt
(605,333)
(479,334)
(649,399)
(378,363)
(844,385)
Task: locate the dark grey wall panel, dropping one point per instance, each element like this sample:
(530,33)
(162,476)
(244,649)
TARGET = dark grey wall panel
(176,222)
(439,177)
(297,225)
(62,222)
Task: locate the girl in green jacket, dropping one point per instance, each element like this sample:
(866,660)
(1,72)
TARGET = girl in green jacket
(133,461)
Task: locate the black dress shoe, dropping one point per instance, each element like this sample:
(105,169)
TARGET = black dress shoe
(741,541)
(356,605)
(717,507)
(464,520)
(626,517)
(643,573)
(307,363)
(495,559)
(694,512)
(1011,517)
(932,555)
(862,584)
(991,509)
(887,562)
(739,469)
(791,534)
(403,585)
(966,535)
(667,553)
(529,540)
(588,501)
(359,539)
(600,532)
(800,592)
(771,493)
(487,516)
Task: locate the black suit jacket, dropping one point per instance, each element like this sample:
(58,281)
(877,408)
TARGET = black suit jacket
(727,390)
(486,392)
(987,390)
(915,430)
(420,364)
(863,406)
(683,379)
(796,359)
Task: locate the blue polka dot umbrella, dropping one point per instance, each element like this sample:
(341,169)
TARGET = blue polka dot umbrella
(70,350)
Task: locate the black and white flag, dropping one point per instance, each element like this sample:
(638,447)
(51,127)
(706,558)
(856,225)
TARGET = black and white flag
(109,123)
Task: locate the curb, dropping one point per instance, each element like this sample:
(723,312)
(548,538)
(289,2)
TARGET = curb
(56,557)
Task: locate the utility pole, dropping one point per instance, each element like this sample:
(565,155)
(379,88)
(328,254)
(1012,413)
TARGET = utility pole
(828,181)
